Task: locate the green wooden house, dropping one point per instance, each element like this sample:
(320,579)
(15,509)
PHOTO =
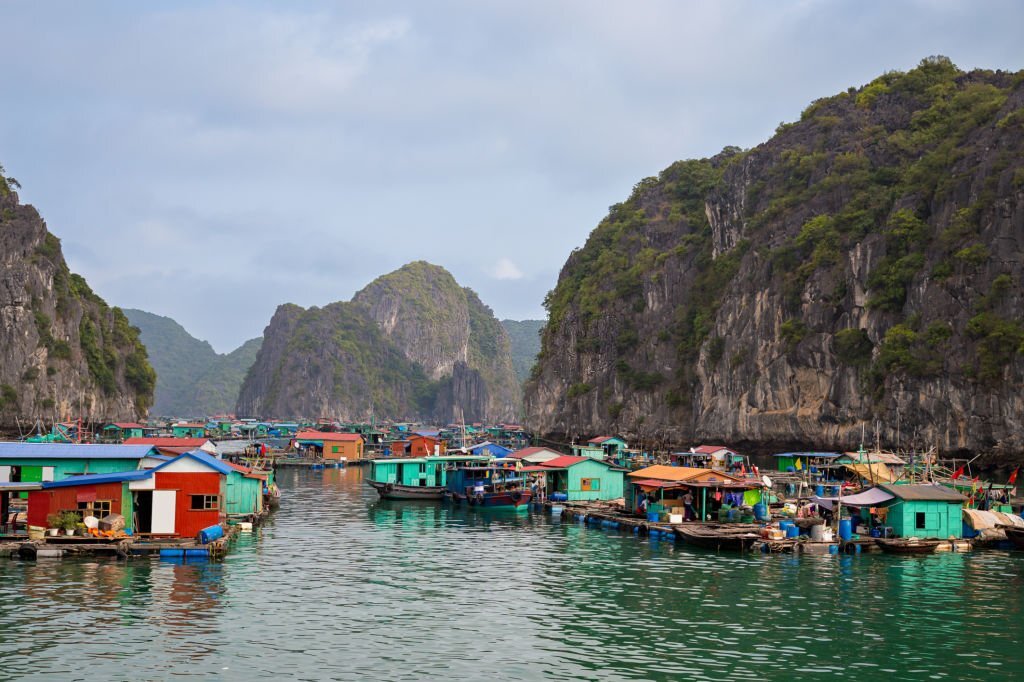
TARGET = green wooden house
(581,478)
(121,431)
(924,511)
(243,494)
(417,471)
(42,462)
(189,430)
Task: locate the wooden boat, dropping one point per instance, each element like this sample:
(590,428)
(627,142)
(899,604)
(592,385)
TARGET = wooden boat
(1015,535)
(397,491)
(907,545)
(717,537)
(488,487)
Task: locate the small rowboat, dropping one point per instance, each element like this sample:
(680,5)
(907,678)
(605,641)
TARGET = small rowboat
(907,545)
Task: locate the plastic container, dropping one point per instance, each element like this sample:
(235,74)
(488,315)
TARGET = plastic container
(761,511)
(819,490)
(210,533)
(652,517)
(197,553)
(845,529)
(792,532)
(172,553)
(559,497)
(784,524)
(818,532)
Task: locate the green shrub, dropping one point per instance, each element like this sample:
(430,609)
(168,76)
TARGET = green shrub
(576,390)
(853,347)
(8,396)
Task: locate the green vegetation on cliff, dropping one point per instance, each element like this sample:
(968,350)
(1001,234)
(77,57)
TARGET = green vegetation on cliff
(192,379)
(524,342)
(874,239)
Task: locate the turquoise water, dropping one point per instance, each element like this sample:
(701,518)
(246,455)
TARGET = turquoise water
(341,586)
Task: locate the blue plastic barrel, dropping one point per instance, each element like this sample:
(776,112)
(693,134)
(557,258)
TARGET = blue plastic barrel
(819,490)
(169,552)
(845,529)
(559,497)
(210,533)
(197,552)
(761,511)
(792,532)
(784,524)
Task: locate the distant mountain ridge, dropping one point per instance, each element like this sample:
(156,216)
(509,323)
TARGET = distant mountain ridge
(193,380)
(411,344)
(524,336)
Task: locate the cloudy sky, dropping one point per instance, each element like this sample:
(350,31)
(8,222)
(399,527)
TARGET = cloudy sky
(211,160)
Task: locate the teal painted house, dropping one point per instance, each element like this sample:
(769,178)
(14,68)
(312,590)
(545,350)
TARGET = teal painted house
(243,494)
(581,478)
(417,471)
(601,447)
(924,511)
(189,430)
(44,462)
(120,431)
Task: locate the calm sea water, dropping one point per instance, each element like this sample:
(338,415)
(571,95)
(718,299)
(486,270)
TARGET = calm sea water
(341,586)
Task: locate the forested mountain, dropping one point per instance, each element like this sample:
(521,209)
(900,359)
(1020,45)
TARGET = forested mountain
(524,337)
(193,380)
(411,344)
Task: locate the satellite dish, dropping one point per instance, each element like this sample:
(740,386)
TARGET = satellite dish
(767,481)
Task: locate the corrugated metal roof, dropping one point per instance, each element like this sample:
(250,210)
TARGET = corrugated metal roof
(19,487)
(198,455)
(667,473)
(332,436)
(526,452)
(95,479)
(823,455)
(565,461)
(169,442)
(924,492)
(13,450)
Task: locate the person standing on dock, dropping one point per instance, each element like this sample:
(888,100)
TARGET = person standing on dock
(691,513)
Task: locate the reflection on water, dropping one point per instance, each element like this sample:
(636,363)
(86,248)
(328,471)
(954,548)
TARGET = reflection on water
(341,585)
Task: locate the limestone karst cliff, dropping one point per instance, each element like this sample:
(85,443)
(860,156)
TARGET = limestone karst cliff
(863,266)
(411,344)
(63,351)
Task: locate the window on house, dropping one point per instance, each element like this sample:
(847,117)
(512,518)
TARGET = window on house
(205,502)
(590,484)
(919,522)
(98,508)
(335,449)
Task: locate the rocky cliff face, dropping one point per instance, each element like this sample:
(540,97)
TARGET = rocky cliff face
(63,351)
(413,343)
(862,267)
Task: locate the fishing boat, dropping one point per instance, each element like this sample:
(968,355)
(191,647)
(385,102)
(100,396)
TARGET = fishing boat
(718,537)
(415,478)
(1015,535)
(907,545)
(488,487)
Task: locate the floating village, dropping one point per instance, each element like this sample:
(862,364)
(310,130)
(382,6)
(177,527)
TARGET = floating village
(183,490)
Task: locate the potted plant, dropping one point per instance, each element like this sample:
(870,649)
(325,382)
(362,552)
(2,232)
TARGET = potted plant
(69,520)
(55,523)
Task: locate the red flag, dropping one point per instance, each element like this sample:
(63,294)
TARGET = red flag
(958,473)
(1013,476)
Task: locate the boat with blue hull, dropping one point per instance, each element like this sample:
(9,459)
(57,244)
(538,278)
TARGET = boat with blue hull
(488,487)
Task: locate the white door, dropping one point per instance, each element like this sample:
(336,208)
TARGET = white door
(5,474)
(163,511)
(47,474)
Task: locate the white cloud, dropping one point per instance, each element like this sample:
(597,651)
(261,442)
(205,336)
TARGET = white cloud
(506,269)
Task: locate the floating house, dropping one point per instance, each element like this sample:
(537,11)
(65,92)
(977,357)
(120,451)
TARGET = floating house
(45,462)
(535,455)
(580,478)
(610,446)
(176,446)
(716,457)
(331,444)
(489,449)
(417,477)
(873,467)
(815,464)
(921,510)
(666,486)
(121,431)
(425,445)
(178,498)
(189,430)
(244,491)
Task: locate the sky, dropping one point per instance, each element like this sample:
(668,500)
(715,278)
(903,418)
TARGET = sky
(209,161)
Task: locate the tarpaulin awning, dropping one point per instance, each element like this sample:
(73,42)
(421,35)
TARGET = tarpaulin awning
(875,472)
(984,520)
(869,498)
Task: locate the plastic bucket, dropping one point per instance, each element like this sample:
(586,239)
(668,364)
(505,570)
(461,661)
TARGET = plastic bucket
(761,511)
(845,529)
(792,532)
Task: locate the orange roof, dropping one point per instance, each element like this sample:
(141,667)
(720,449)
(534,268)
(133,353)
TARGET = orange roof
(666,473)
(332,436)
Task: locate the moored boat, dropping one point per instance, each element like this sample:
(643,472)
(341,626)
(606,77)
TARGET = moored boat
(1015,535)
(488,487)
(907,545)
(717,537)
(414,478)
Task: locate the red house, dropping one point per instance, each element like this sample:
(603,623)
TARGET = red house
(178,498)
(423,446)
